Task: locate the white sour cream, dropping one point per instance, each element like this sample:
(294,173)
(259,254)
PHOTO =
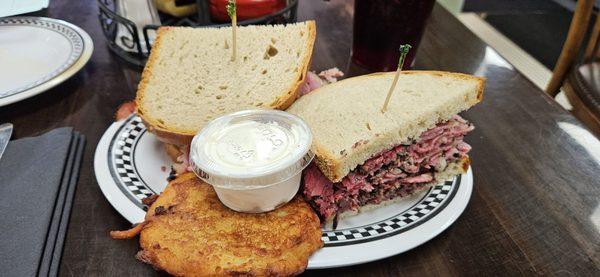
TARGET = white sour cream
(253,159)
(252,146)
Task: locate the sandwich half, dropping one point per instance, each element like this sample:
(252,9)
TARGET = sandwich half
(190,79)
(365,157)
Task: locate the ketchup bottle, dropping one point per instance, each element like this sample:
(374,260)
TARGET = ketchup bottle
(246,9)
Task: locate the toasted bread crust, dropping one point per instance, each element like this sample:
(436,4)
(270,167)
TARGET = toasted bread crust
(167,136)
(331,166)
(184,137)
(327,164)
(177,137)
(287,99)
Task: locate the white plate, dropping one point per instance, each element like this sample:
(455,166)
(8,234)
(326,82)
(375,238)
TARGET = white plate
(131,164)
(38,53)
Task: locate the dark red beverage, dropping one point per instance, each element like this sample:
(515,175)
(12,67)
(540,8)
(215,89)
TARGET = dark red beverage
(381,26)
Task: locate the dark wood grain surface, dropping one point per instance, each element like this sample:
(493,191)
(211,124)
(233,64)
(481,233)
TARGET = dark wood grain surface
(535,208)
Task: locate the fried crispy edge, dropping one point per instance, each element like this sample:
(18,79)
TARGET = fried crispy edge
(311,245)
(128,234)
(149,257)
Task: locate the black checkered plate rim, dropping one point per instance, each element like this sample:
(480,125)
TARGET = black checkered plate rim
(124,172)
(74,38)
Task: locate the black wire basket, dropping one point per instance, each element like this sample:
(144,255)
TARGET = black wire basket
(130,47)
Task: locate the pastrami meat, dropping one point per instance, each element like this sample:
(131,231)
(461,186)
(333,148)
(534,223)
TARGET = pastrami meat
(397,172)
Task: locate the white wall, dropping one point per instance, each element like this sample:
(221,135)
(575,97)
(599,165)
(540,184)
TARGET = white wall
(454,6)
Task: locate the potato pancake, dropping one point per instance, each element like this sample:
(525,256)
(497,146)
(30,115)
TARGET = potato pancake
(188,232)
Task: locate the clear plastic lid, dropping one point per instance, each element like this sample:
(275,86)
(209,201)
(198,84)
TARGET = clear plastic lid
(251,149)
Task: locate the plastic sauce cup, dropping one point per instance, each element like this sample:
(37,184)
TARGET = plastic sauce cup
(253,158)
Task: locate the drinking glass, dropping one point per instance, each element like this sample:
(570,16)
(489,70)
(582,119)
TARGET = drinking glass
(381,26)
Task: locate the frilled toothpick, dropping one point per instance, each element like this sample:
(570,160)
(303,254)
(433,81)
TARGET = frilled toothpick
(231,11)
(403,51)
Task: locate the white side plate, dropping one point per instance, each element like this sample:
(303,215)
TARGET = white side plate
(37,54)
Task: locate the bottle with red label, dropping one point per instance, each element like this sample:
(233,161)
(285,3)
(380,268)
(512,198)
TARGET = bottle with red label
(246,9)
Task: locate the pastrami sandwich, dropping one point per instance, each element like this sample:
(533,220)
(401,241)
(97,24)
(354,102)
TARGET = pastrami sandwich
(366,157)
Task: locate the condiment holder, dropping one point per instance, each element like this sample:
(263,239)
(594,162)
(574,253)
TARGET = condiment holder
(253,158)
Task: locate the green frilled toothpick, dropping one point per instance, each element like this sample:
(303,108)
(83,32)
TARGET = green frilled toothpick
(404,48)
(231,11)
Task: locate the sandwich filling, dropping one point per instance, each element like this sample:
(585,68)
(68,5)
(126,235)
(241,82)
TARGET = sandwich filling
(393,173)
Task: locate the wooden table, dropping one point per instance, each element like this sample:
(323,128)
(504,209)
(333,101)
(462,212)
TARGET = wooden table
(535,207)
